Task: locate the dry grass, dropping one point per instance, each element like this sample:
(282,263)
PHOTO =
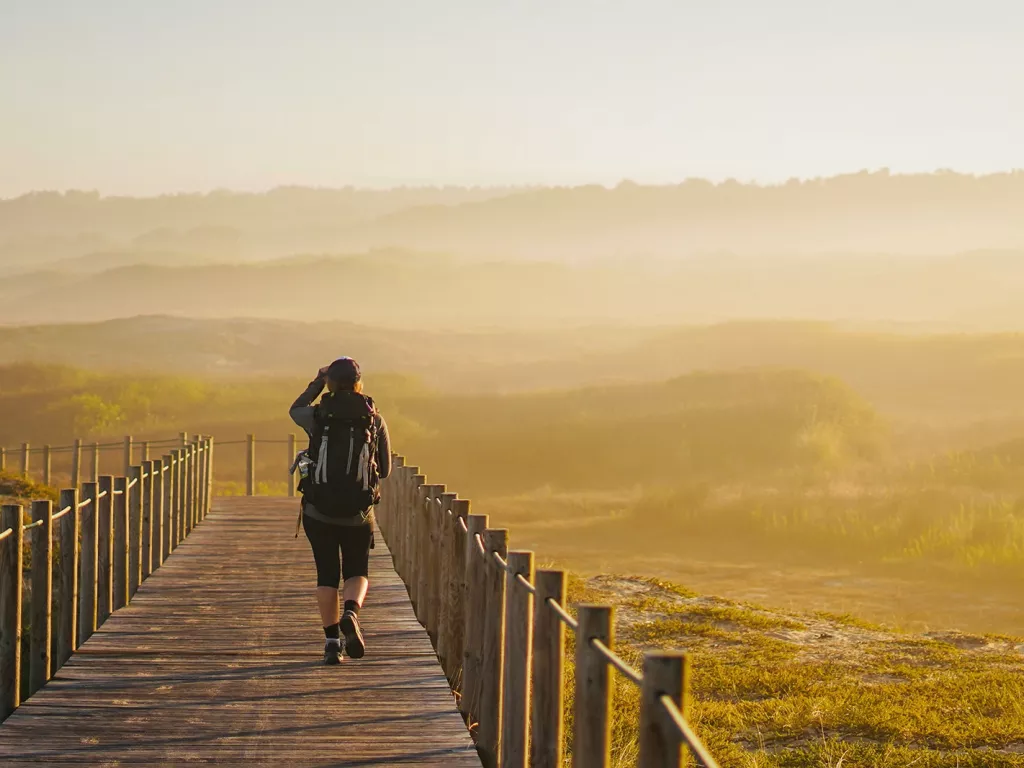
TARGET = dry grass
(781,690)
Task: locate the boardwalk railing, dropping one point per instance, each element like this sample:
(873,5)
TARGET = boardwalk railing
(79,453)
(498,627)
(107,536)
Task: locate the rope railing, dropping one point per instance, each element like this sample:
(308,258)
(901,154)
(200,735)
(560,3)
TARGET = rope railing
(610,656)
(85,453)
(561,614)
(498,629)
(102,446)
(616,661)
(66,511)
(525,584)
(695,745)
(106,537)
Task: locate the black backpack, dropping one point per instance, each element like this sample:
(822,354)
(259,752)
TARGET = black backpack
(343,477)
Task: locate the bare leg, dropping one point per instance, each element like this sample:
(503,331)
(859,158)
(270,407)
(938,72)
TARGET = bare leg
(327,599)
(356,588)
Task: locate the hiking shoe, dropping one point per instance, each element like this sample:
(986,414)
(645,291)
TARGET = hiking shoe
(332,653)
(354,645)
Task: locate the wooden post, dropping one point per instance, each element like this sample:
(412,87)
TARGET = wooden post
(400,476)
(200,480)
(3,462)
(145,451)
(432,559)
(194,475)
(445,547)
(127,454)
(197,457)
(173,478)
(121,558)
(456,611)
(417,500)
(95,463)
(183,490)
(405,488)
(427,558)
(397,486)
(291,457)
(42,595)
(47,465)
(209,474)
(187,490)
(105,573)
(548,696)
(414,497)
(10,608)
(591,747)
(179,495)
(156,516)
(489,733)
(475,605)
(435,517)
(250,465)
(398,504)
(183,506)
(440,569)
(136,496)
(76,464)
(167,501)
(190,487)
(88,584)
(665,674)
(25,449)
(67,633)
(146,533)
(515,706)
(417,496)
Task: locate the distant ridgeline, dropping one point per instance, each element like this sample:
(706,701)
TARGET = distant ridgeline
(848,247)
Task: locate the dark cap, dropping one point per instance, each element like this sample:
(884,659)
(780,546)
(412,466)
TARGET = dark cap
(344,370)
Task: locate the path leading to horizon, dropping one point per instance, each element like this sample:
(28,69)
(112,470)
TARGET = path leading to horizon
(218,658)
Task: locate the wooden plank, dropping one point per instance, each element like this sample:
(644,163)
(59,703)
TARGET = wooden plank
(218,658)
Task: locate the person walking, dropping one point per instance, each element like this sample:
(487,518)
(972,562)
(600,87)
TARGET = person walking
(349,454)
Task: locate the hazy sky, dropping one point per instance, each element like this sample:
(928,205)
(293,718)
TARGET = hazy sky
(141,96)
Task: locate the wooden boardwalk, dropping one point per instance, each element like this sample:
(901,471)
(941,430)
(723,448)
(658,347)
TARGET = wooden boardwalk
(218,658)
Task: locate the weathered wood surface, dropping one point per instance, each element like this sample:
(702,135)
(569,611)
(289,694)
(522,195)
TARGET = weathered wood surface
(218,658)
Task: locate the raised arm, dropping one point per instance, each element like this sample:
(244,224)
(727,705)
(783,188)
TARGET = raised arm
(302,409)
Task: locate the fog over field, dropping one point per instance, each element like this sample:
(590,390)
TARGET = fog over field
(844,422)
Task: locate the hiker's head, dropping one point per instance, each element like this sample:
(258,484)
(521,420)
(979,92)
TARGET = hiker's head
(343,376)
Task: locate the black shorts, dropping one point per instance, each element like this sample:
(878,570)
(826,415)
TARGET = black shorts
(340,551)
